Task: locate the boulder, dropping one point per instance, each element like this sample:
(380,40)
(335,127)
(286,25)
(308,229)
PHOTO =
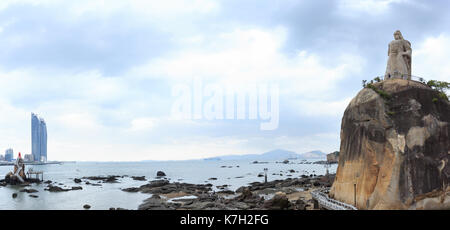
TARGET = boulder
(226,192)
(395,148)
(139,178)
(52,188)
(29,190)
(86,206)
(154,203)
(132,189)
(300,205)
(104,179)
(76,180)
(278,202)
(160,174)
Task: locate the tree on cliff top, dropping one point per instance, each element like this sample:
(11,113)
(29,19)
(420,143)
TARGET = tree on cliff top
(440,86)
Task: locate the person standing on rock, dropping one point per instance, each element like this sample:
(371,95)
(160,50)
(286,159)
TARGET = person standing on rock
(399,62)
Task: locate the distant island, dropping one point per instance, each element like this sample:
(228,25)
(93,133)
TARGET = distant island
(277,154)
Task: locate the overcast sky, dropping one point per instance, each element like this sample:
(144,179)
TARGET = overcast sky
(101,72)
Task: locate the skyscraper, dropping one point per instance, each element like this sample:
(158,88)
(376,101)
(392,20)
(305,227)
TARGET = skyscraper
(38,138)
(9,155)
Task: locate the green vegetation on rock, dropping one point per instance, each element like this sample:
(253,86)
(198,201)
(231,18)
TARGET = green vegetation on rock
(440,86)
(380,92)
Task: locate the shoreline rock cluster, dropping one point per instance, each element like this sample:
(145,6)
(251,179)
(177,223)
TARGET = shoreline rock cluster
(288,194)
(165,187)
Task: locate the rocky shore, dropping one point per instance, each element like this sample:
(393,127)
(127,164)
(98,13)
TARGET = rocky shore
(288,194)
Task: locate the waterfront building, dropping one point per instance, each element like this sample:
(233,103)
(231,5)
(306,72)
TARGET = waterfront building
(38,138)
(28,157)
(9,155)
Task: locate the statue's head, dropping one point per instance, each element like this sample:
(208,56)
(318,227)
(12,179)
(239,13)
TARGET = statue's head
(398,35)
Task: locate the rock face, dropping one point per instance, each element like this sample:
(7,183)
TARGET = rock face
(333,157)
(395,146)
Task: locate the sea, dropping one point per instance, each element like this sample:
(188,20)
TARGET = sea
(234,173)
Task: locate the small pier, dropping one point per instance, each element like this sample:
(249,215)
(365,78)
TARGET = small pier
(323,201)
(38,175)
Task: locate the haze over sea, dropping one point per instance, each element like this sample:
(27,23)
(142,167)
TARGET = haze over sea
(110,195)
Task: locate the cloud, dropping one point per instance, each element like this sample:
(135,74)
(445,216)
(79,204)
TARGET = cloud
(333,108)
(143,124)
(252,56)
(431,58)
(371,7)
(101,72)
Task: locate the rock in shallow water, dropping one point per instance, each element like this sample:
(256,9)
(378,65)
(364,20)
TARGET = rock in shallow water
(165,187)
(29,190)
(160,174)
(104,179)
(138,178)
(52,188)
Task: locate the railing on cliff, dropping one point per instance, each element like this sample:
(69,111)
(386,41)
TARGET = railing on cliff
(406,77)
(326,202)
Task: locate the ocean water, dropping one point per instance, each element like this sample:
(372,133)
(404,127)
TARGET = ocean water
(235,174)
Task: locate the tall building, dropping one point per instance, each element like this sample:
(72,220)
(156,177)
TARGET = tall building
(9,155)
(38,138)
(2,158)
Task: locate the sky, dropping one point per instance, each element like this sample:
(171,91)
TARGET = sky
(103,73)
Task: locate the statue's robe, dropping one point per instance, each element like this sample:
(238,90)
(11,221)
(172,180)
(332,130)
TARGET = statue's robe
(399,63)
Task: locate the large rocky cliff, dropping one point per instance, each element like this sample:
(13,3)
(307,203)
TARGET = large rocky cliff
(395,148)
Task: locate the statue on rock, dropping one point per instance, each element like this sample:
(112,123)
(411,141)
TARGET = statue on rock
(18,176)
(399,62)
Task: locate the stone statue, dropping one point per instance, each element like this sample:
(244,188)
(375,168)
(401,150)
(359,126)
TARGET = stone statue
(18,176)
(399,62)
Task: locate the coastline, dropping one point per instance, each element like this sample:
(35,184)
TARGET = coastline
(106,186)
(287,194)
(37,163)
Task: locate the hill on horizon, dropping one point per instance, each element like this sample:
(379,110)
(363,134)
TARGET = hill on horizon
(276,154)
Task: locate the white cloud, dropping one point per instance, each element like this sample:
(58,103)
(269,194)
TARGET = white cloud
(143,124)
(332,108)
(371,7)
(12,126)
(431,58)
(91,116)
(245,56)
(75,104)
(80,7)
(78,121)
(7,3)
